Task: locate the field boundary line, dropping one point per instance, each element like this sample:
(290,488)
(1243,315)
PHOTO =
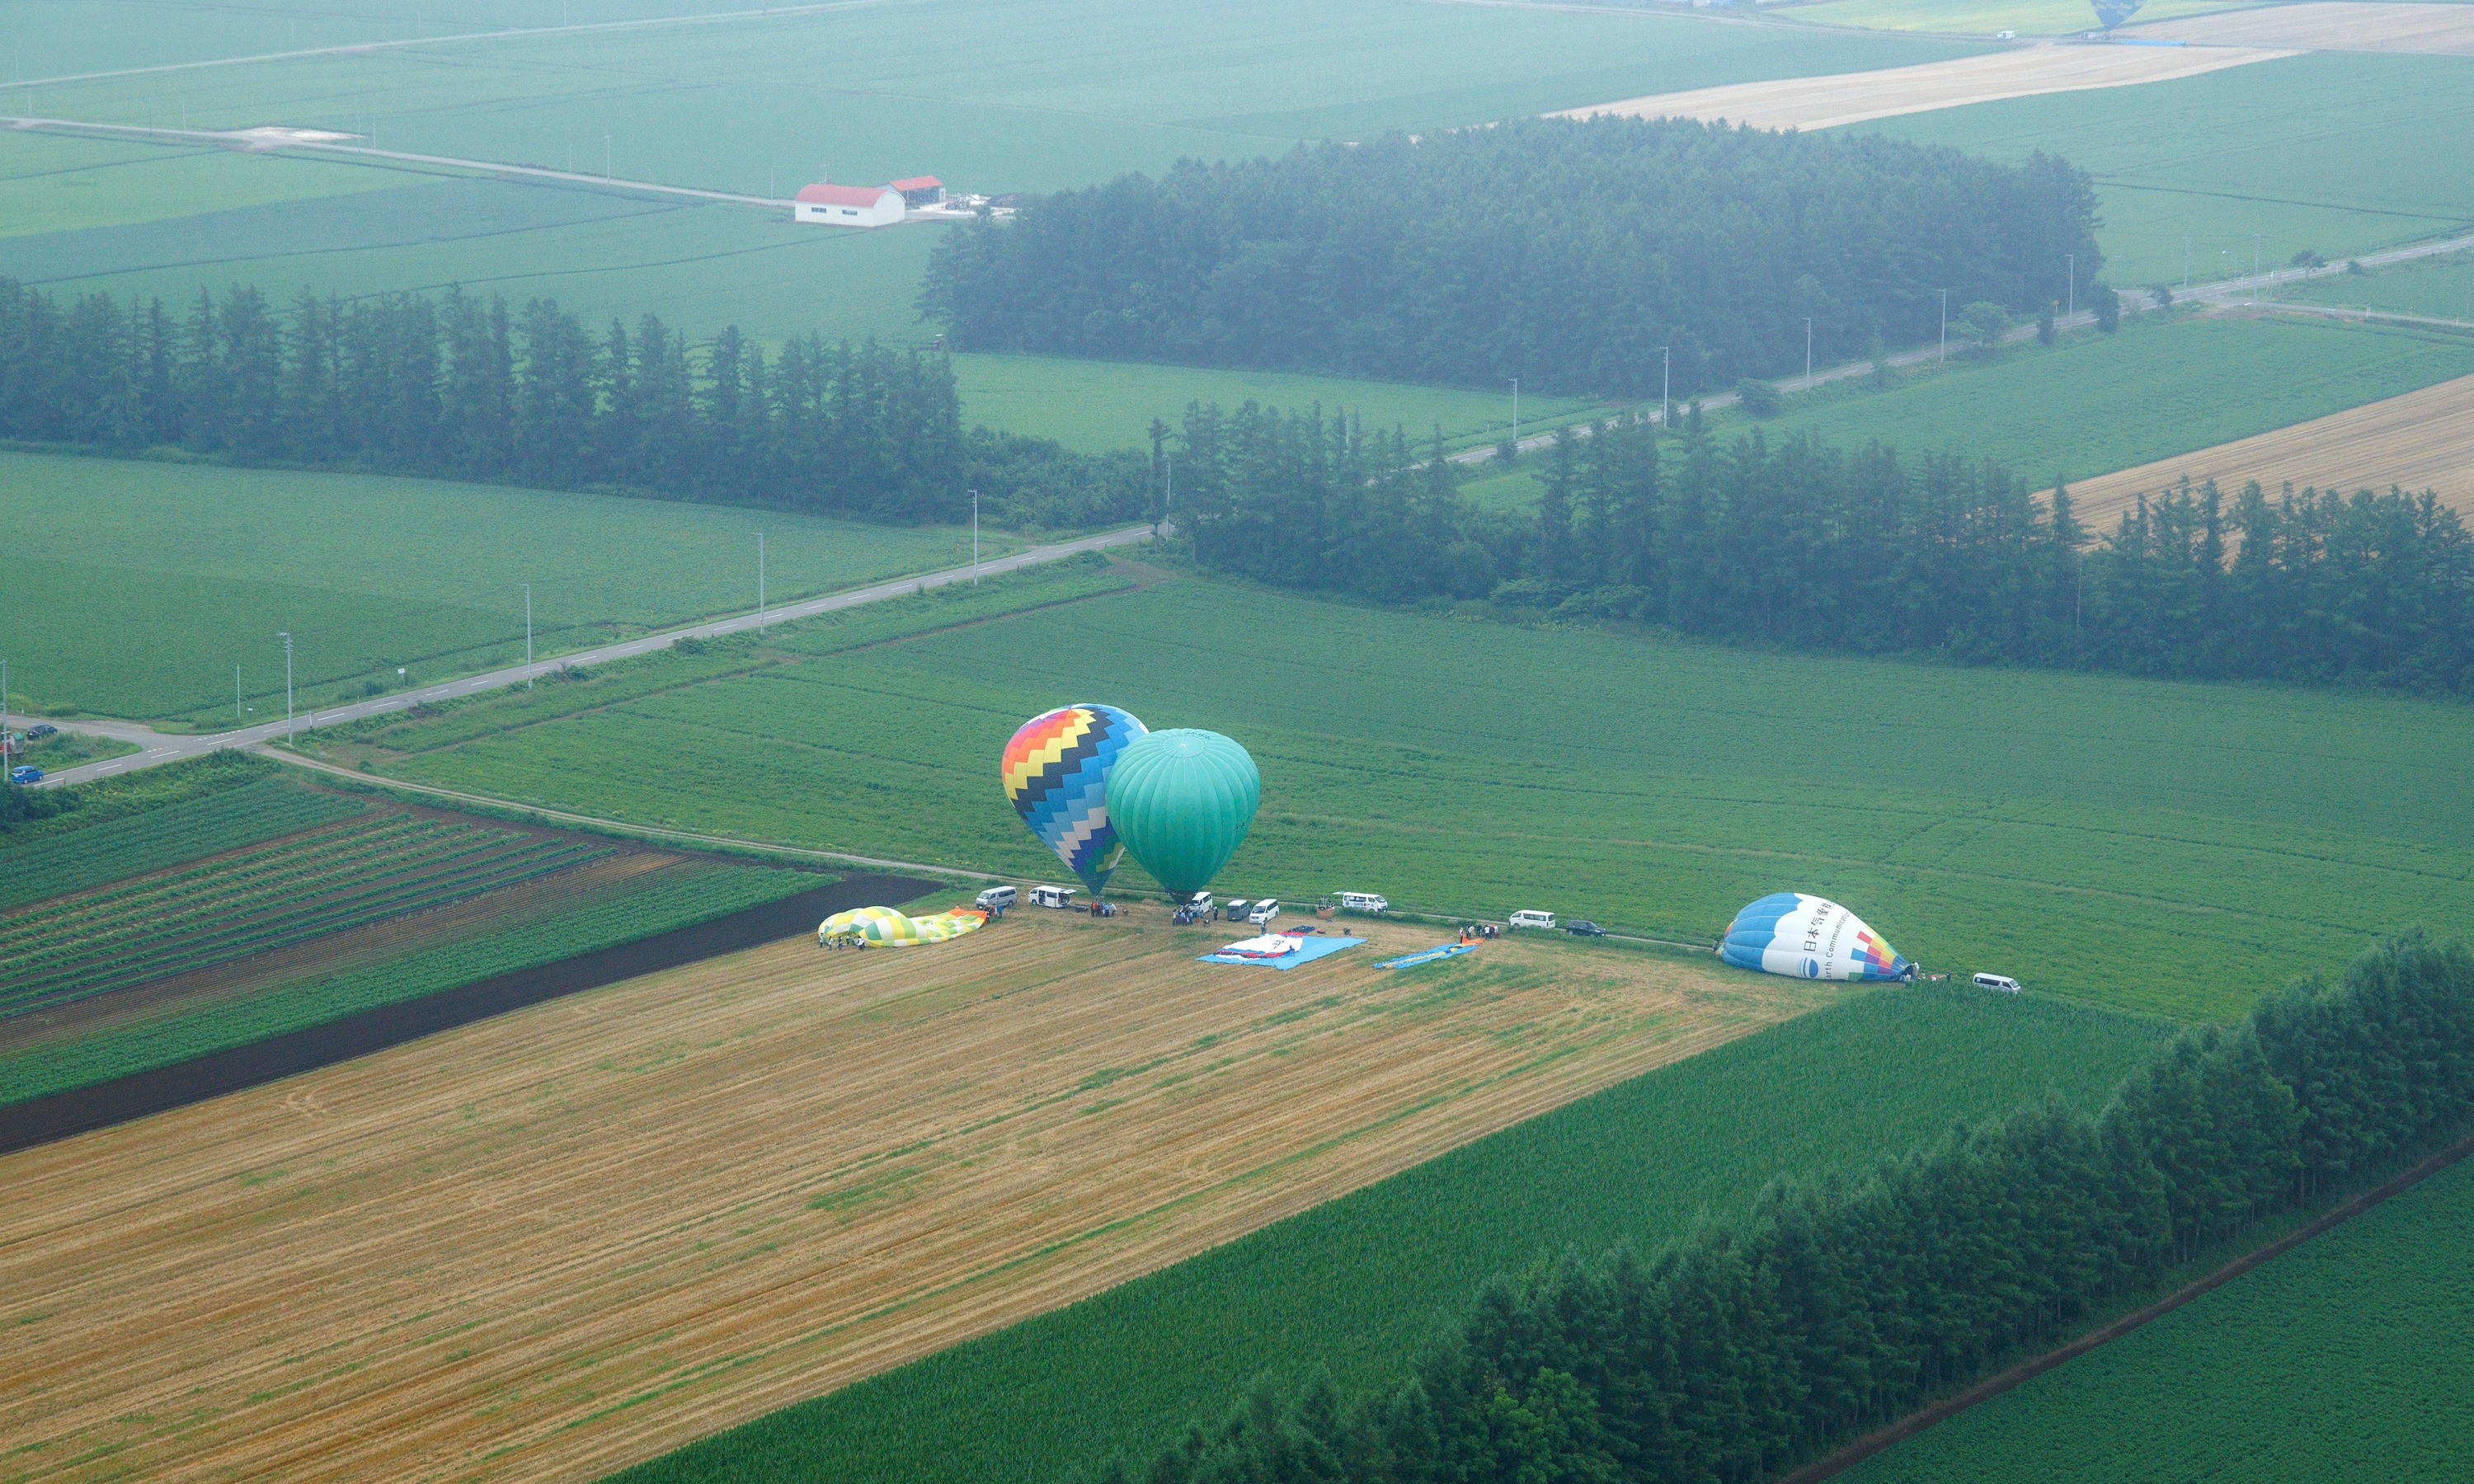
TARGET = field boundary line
(1908,1427)
(625,829)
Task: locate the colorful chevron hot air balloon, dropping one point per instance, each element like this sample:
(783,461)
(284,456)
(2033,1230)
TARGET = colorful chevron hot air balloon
(1057,773)
(1809,938)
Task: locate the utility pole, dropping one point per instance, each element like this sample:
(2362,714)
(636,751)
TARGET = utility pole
(1515,416)
(1807,352)
(760,584)
(528,636)
(975,537)
(1665,381)
(2074,301)
(1945,326)
(2186,265)
(286,637)
(238,714)
(5,753)
(605,156)
(2254,254)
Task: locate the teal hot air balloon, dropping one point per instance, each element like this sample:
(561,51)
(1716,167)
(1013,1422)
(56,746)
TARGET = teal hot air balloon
(1181,800)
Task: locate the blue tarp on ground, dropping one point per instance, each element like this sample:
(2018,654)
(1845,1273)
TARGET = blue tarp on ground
(1308,950)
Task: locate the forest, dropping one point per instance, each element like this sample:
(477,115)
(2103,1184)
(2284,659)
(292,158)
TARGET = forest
(461,388)
(1837,1304)
(1567,253)
(1808,547)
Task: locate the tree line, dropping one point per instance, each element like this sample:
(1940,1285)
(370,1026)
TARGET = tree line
(1569,253)
(1836,1305)
(460,387)
(1803,545)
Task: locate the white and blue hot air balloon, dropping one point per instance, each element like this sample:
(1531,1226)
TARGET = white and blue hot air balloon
(1809,938)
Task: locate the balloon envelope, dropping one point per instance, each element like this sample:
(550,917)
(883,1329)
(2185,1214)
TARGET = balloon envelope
(1055,772)
(883,927)
(1808,937)
(1183,799)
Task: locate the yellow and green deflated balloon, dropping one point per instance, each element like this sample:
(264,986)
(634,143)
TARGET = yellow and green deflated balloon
(883,927)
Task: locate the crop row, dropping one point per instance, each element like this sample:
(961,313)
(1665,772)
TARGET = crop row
(332,852)
(341,878)
(234,934)
(603,914)
(131,844)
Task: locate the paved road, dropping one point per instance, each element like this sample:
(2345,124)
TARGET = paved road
(168,747)
(2229,291)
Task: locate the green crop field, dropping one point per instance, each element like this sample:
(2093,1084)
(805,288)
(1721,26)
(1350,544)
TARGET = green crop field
(1354,1285)
(80,851)
(2344,1359)
(2338,153)
(2442,288)
(989,96)
(1098,405)
(49,184)
(544,931)
(2145,844)
(140,586)
(325,880)
(2090,404)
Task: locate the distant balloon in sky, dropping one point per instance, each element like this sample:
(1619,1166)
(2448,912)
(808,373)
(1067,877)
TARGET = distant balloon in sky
(1809,938)
(1183,800)
(1055,772)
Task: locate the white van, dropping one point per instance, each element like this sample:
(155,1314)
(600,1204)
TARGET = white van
(1199,903)
(1361,901)
(995,897)
(1531,918)
(1052,895)
(1264,911)
(2002,982)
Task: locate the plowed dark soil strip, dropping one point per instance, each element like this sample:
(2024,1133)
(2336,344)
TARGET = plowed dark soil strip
(1908,1427)
(82,1110)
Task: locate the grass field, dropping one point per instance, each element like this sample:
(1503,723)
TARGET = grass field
(142,584)
(579,1234)
(2441,287)
(2143,845)
(2333,151)
(50,183)
(2093,404)
(1354,1286)
(76,855)
(989,96)
(2344,1358)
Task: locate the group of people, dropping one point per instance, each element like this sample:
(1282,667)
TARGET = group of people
(1479,932)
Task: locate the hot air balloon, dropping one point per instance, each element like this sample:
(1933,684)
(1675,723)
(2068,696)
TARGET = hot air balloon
(1809,938)
(883,927)
(1183,799)
(1056,771)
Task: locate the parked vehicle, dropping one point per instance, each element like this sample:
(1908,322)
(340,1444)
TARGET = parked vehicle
(25,773)
(2002,983)
(1264,911)
(1582,927)
(996,899)
(1199,904)
(1532,917)
(41,730)
(1052,896)
(1237,909)
(1361,901)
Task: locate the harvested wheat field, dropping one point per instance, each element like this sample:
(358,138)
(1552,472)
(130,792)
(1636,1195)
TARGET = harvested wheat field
(2330,26)
(2422,440)
(577,1235)
(1852,97)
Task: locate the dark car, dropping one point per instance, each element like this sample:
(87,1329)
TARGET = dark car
(1582,927)
(41,731)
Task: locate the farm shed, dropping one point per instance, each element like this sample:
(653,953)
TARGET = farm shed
(848,206)
(920,190)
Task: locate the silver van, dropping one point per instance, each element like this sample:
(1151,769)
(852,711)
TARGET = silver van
(2002,982)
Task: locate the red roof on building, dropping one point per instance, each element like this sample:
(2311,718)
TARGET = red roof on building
(842,195)
(920,184)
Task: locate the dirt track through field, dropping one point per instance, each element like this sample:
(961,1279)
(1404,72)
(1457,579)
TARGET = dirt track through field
(2422,440)
(2330,26)
(574,1236)
(1852,97)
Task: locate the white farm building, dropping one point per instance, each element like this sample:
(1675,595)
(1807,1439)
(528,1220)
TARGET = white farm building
(848,206)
